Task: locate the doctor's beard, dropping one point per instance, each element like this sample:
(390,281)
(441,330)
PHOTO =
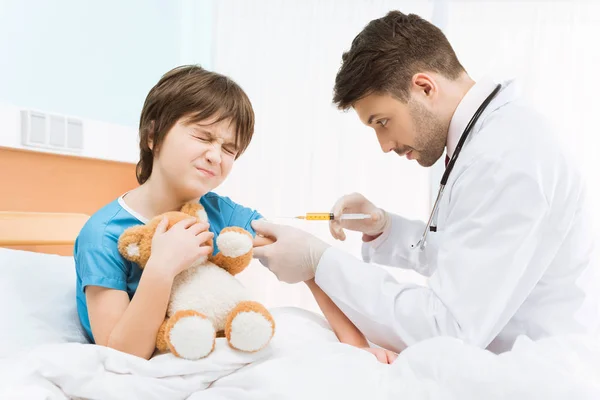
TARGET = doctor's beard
(431,134)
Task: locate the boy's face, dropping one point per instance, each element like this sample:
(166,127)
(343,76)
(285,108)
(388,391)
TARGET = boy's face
(195,158)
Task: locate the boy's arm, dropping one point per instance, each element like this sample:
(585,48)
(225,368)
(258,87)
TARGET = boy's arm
(115,321)
(130,327)
(344,329)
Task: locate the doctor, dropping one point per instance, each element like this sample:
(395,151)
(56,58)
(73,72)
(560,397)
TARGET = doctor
(509,240)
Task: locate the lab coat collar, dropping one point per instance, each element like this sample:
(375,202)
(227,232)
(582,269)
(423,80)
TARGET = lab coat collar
(465,110)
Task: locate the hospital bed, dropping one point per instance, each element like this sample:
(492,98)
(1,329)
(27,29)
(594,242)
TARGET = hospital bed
(46,199)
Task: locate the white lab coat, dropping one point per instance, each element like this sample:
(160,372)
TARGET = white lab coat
(513,243)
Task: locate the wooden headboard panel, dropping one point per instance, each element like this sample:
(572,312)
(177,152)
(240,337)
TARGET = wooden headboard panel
(39,182)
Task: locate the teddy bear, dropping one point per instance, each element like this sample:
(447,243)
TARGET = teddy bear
(207,300)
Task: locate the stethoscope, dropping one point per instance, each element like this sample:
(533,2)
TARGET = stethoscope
(450,166)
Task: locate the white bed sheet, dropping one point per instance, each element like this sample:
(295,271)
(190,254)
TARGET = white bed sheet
(37,301)
(305,361)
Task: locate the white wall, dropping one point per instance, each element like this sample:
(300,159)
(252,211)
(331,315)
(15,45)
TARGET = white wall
(550,48)
(95,61)
(102,140)
(196,32)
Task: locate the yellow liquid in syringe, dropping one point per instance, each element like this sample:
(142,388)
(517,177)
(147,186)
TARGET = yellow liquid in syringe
(316,216)
(330,216)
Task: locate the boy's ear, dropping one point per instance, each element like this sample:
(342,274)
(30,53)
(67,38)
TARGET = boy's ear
(132,244)
(151,136)
(195,209)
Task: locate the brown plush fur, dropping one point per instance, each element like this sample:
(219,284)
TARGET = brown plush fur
(136,235)
(247,306)
(191,208)
(232,265)
(161,341)
(173,320)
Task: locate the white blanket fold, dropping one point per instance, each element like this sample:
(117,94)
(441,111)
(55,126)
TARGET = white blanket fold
(91,372)
(305,361)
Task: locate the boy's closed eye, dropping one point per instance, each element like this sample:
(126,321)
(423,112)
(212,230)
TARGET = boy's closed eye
(207,137)
(202,135)
(230,149)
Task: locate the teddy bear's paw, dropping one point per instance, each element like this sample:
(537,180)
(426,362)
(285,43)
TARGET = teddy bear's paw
(190,335)
(234,242)
(249,327)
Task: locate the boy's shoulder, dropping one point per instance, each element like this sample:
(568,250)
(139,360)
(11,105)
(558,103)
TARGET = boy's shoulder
(106,225)
(216,201)
(223,211)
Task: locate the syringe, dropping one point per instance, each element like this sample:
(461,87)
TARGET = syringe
(330,216)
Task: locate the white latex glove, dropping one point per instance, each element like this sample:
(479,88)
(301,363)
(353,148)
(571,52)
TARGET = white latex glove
(294,255)
(357,203)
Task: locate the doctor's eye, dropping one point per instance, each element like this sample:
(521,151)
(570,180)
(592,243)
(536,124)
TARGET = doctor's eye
(383,122)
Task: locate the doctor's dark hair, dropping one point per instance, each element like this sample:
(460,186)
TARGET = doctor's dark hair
(386,54)
(193,94)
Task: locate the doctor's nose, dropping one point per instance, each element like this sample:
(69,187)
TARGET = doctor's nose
(386,147)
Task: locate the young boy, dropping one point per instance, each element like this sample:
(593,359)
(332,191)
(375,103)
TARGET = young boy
(194,125)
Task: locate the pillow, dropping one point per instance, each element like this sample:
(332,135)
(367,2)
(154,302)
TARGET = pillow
(37,301)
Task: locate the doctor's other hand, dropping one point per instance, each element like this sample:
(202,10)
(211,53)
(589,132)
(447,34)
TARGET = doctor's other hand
(357,203)
(293,256)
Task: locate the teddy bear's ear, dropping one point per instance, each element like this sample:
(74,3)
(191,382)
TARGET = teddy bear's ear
(195,210)
(132,245)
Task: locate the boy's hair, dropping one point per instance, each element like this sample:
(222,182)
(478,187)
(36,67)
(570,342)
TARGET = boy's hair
(197,94)
(386,54)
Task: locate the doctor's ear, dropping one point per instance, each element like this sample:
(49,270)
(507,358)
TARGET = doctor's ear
(424,85)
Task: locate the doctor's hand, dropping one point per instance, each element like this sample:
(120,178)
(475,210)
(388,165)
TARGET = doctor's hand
(294,255)
(357,203)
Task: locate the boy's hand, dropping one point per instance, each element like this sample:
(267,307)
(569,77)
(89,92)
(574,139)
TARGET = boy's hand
(260,241)
(383,355)
(180,246)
